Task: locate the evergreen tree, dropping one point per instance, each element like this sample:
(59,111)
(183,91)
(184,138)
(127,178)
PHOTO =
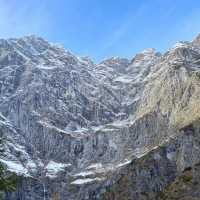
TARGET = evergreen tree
(8,181)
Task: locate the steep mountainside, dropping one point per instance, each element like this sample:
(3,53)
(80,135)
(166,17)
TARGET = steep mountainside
(121,129)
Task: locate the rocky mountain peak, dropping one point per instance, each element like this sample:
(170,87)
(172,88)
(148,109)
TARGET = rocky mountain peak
(149,51)
(196,41)
(146,55)
(116,63)
(85,131)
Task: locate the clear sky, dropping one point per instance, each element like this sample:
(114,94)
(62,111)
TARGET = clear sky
(103,28)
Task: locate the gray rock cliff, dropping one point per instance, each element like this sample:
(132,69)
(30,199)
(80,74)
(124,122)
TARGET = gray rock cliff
(121,129)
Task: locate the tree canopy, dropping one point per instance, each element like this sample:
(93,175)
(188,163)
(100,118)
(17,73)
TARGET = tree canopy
(8,180)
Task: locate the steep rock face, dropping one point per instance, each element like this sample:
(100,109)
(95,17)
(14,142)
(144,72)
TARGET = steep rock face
(151,175)
(173,88)
(80,130)
(186,186)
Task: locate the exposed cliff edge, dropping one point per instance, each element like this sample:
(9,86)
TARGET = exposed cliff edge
(121,129)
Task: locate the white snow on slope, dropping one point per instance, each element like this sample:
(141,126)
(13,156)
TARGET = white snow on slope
(123,79)
(95,166)
(53,168)
(86,180)
(16,167)
(46,67)
(83,174)
(126,162)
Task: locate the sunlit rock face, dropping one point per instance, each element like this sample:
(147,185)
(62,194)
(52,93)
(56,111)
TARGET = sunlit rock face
(76,130)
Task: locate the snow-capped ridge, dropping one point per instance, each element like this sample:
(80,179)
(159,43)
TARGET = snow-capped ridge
(71,123)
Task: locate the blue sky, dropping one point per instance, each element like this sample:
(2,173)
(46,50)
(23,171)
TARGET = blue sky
(103,28)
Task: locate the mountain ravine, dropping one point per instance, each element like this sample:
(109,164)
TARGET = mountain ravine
(123,129)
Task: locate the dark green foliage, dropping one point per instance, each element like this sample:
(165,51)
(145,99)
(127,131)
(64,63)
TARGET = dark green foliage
(8,181)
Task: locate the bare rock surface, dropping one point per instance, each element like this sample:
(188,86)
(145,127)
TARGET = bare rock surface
(77,130)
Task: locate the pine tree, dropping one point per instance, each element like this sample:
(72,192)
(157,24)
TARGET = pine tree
(8,181)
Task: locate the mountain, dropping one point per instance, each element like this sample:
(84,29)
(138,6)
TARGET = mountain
(119,130)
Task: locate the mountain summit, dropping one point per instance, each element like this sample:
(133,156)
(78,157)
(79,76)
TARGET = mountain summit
(197,40)
(120,129)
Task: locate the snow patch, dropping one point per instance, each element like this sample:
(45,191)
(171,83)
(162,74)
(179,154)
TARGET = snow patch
(53,168)
(123,79)
(86,180)
(95,166)
(16,167)
(83,174)
(46,67)
(126,162)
